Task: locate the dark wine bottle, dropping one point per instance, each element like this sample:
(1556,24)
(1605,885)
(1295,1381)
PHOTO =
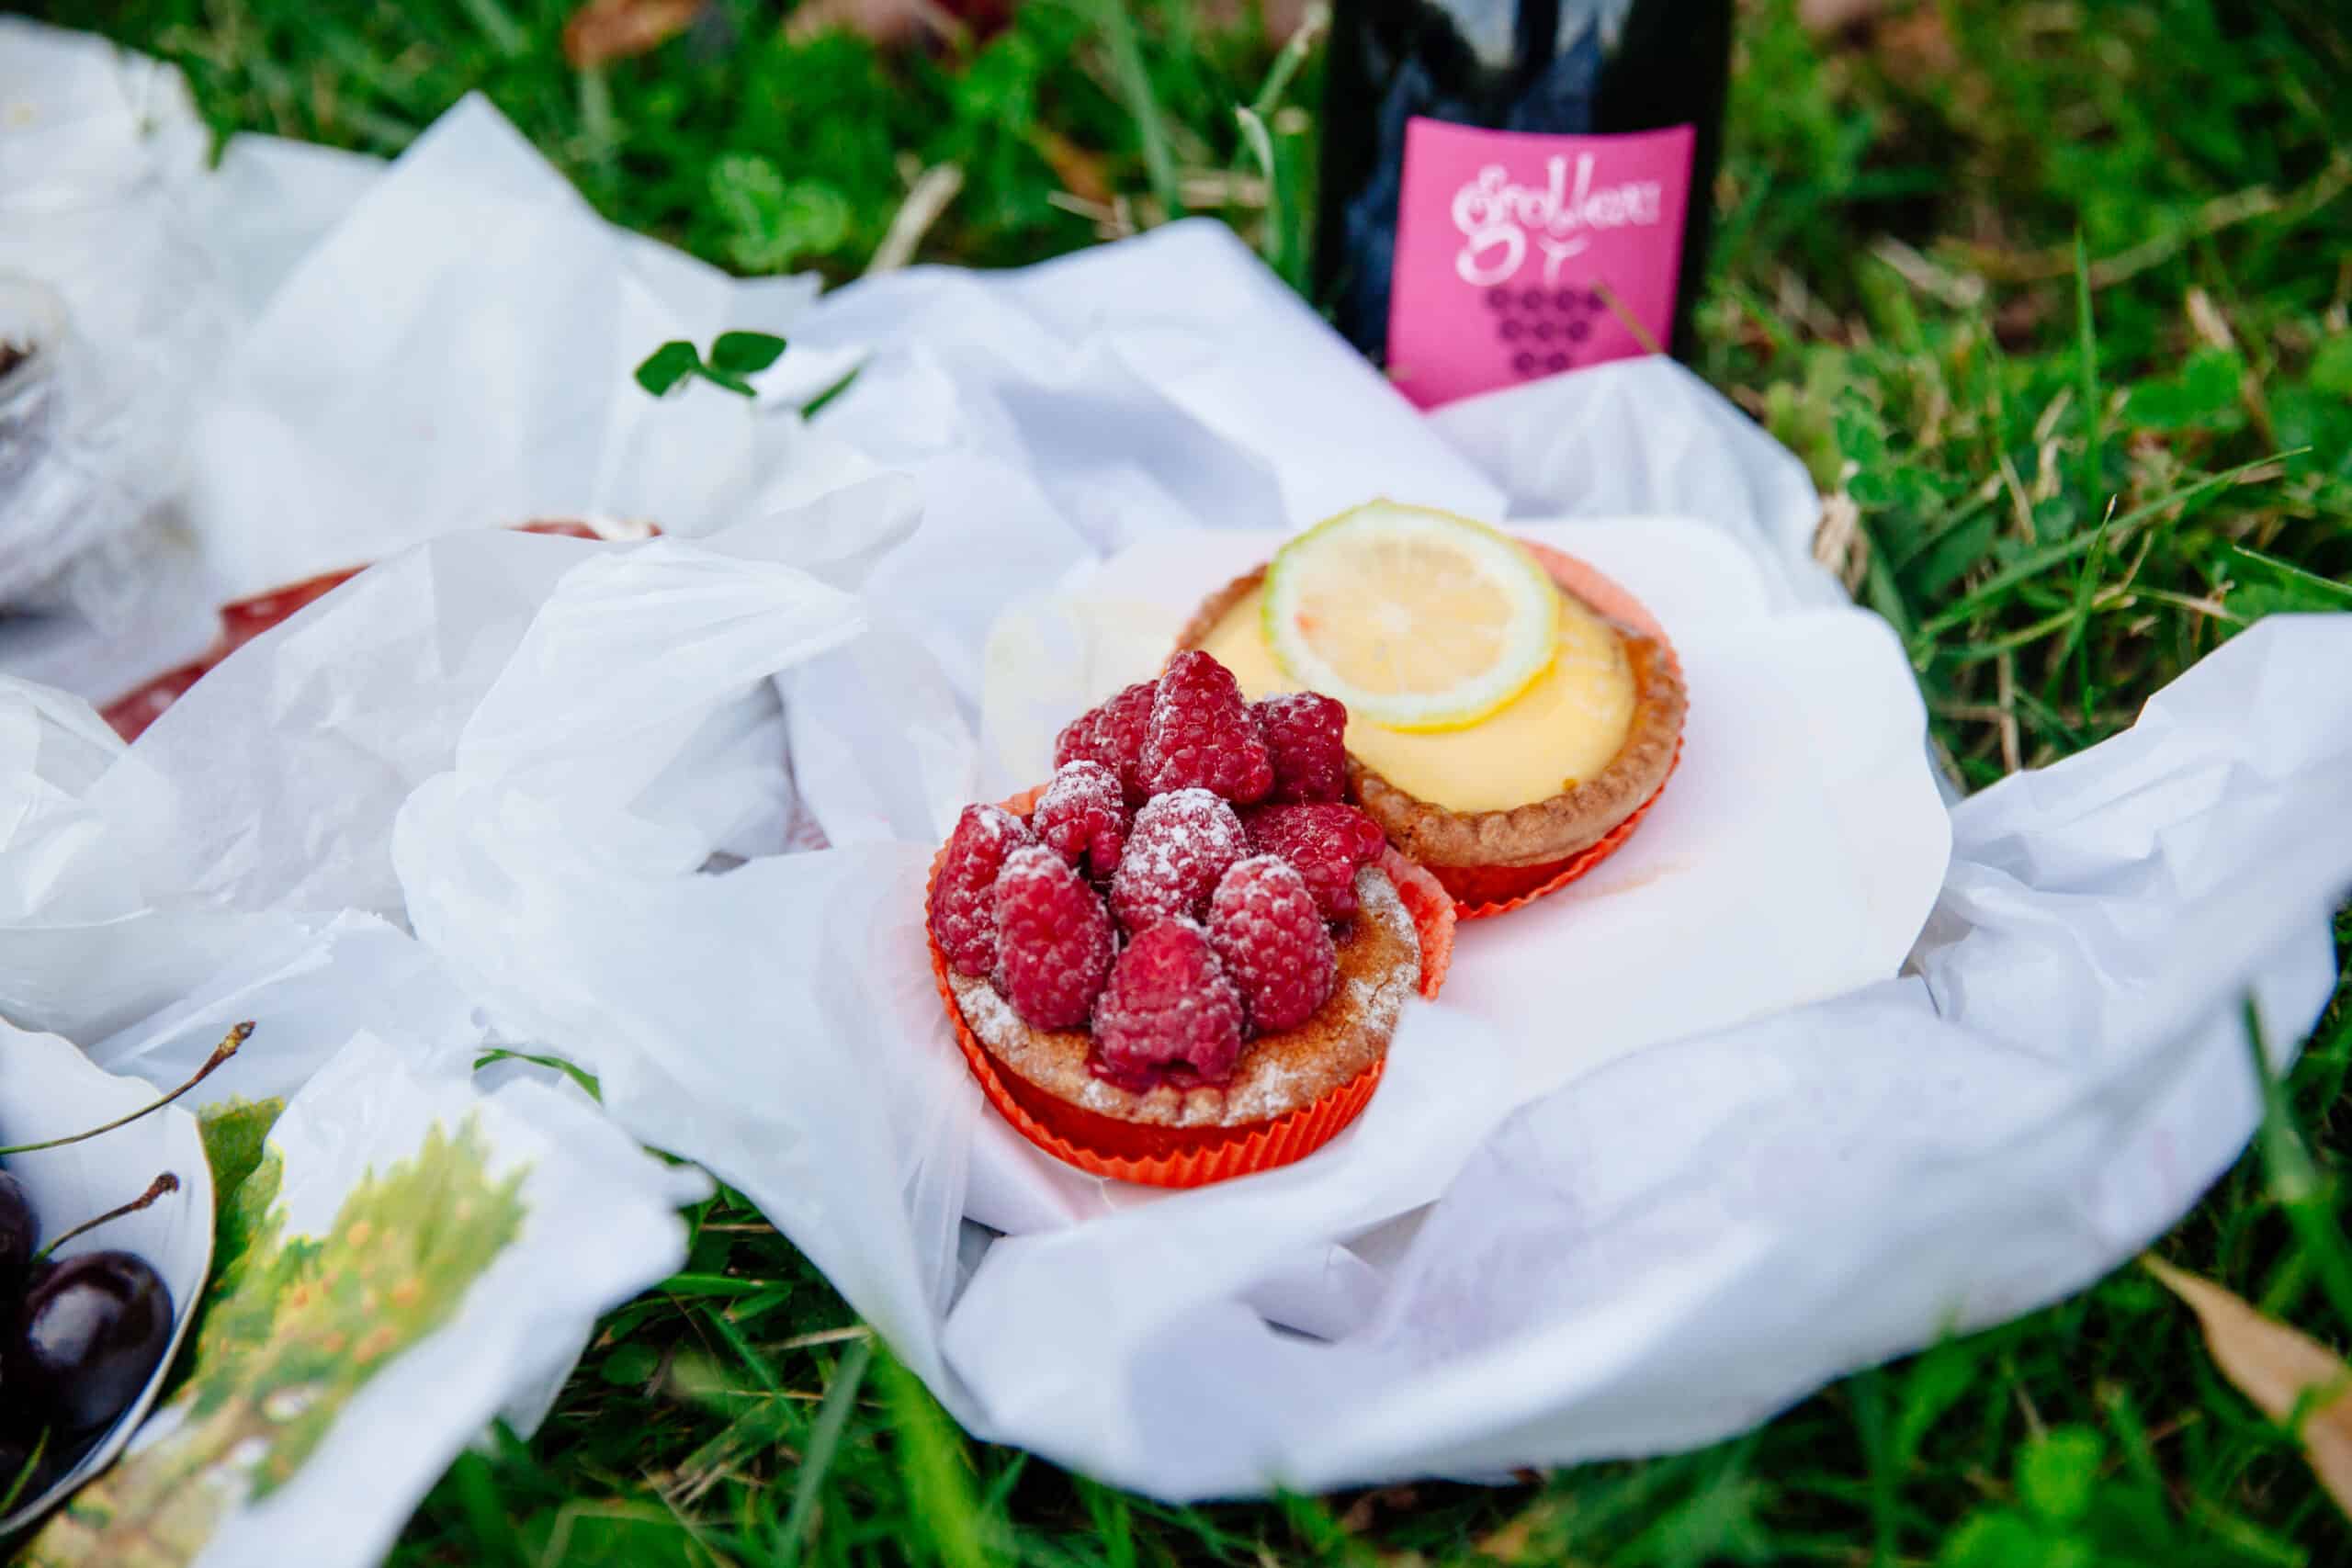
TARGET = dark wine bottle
(1511,189)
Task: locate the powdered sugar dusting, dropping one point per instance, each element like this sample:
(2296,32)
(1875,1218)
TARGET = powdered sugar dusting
(1181,845)
(1268,1081)
(1381,1003)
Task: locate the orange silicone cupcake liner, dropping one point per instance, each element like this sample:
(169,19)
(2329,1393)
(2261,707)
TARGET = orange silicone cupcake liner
(1481,892)
(1189,1157)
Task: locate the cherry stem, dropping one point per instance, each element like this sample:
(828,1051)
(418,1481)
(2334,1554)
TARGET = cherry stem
(156,1189)
(23,1478)
(220,1053)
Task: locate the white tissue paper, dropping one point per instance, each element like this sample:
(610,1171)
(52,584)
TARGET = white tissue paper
(49,1090)
(442,344)
(1862,1094)
(104,276)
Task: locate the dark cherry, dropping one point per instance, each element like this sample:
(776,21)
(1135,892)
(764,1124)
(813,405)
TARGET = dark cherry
(94,1328)
(19,1233)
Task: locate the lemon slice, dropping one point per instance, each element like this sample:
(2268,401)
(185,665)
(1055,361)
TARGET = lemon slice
(1417,619)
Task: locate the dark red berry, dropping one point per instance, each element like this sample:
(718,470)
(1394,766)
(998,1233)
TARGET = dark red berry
(1168,1002)
(19,1235)
(1328,843)
(1305,735)
(1269,933)
(1053,940)
(1201,735)
(1181,845)
(963,897)
(93,1332)
(1083,815)
(1113,735)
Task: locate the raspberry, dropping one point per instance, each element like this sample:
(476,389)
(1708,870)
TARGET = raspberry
(1053,940)
(1305,734)
(1083,815)
(1113,735)
(1168,1001)
(1270,935)
(1179,847)
(963,896)
(1201,734)
(1326,842)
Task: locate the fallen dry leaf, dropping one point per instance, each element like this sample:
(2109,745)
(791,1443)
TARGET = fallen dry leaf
(2276,1367)
(891,23)
(604,30)
(1824,16)
(1079,169)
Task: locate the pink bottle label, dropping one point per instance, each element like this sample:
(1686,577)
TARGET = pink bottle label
(1521,255)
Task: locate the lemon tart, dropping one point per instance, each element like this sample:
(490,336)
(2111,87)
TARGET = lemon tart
(1511,713)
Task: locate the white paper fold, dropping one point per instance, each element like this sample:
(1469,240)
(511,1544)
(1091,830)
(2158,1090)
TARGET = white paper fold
(103,274)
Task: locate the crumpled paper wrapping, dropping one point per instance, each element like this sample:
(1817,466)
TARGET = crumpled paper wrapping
(103,274)
(518,756)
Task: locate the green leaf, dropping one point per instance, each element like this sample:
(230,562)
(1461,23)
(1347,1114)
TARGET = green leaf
(2057,1474)
(2310,417)
(573,1070)
(2332,366)
(774,221)
(668,365)
(2202,395)
(1995,1538)
(2284,585)
(1942,564)
(1938,1380)
(745,353)
(235,1133)
(631,1366)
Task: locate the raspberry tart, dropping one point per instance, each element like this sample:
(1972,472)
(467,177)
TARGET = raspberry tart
(1182,958)
(1510,713)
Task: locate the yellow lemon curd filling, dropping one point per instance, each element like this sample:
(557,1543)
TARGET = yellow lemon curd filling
(1559,732)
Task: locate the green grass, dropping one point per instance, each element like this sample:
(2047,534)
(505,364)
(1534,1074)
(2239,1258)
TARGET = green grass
(2054,299)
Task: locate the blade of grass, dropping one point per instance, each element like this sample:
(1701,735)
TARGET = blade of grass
(1141,103)
(2324,587)
(1312,22)
(496,26)
(2077,641)
(477,1490)
(932,1463)
(824,1443)
(2086,348)
(2296,1181)
(2028,566)
(1262,152)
